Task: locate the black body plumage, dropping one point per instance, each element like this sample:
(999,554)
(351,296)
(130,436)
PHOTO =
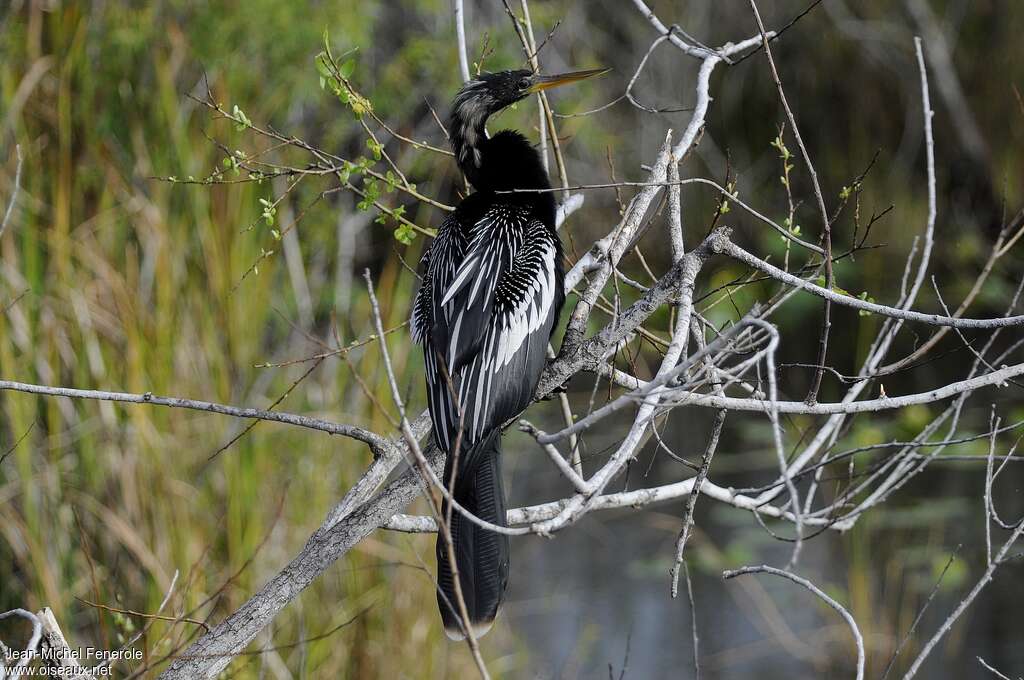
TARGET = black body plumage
(490,297)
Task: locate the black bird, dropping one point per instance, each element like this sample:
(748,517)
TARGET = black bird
(490,297)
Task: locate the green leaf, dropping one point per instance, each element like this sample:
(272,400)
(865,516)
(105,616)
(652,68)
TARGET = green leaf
(347,68)
(241,120)
(340,92)
(405,234)
(372,187)
(867,298)
(322,65)
(376,148)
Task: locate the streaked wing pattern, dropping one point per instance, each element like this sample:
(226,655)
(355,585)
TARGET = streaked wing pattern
(486,318)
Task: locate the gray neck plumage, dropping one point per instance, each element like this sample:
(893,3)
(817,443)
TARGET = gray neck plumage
(466,128)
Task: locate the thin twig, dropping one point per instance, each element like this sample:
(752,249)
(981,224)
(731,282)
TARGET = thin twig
(376,442)
(724,245)
(764,569)
(985,579)
(33,641)
(460,36)
(826,323)
(424,466)
(14,194)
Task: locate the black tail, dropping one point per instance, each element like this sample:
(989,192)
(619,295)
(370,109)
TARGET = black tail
(481,555)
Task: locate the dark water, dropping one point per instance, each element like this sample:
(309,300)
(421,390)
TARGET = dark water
(597,595)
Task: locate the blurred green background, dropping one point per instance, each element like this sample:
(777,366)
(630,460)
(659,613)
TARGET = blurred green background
(113,279)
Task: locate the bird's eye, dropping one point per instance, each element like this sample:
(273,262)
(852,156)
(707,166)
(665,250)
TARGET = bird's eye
(524,83)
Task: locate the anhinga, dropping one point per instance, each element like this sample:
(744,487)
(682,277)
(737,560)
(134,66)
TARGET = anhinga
(485,311)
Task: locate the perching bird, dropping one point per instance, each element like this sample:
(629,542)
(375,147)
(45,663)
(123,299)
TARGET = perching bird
(490,297)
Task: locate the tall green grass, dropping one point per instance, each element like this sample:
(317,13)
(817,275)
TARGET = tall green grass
(136,284)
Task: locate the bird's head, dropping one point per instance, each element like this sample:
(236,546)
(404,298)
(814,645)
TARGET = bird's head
(489,93)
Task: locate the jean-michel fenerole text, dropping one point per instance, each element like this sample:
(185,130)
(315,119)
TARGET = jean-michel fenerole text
(84,655)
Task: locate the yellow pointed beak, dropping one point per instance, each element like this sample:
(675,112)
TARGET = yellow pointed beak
(547,82)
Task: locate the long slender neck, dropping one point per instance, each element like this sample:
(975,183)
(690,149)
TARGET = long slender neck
(467,130)
(509,161)
(503,162)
